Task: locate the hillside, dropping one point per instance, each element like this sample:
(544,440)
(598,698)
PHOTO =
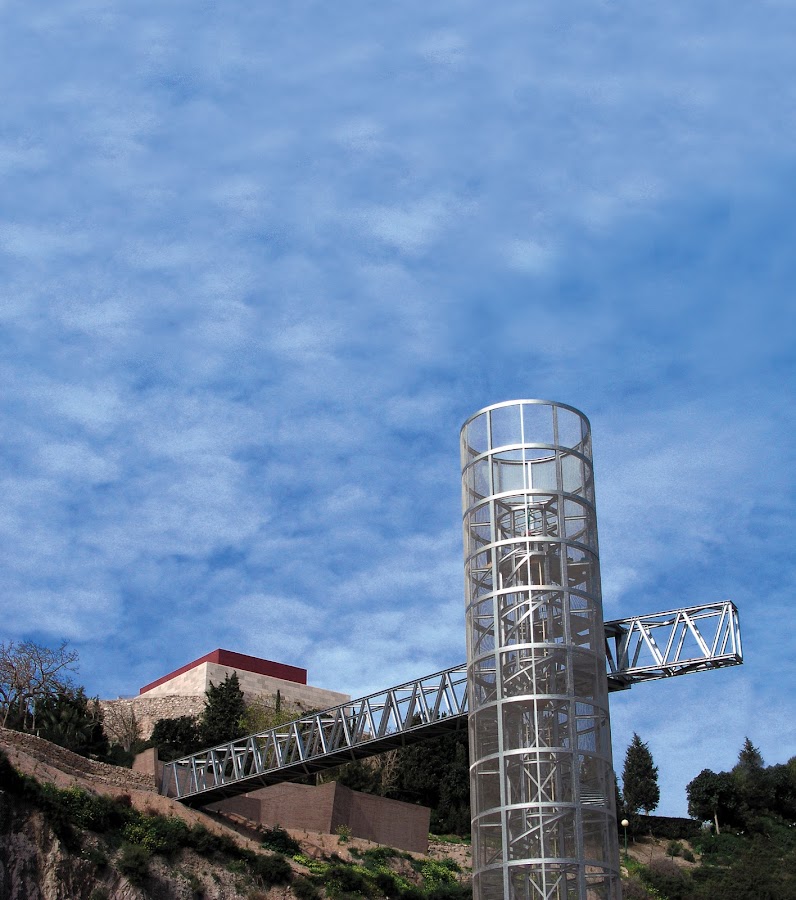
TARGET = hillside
(73,829)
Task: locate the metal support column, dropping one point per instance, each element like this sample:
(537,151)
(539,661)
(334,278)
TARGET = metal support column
(542,784)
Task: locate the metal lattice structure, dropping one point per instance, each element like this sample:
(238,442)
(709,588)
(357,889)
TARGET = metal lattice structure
(396,717)
(541,768)
(540,665)
(428,706)
(676,642)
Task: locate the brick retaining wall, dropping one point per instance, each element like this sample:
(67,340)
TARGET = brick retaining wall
(326,807)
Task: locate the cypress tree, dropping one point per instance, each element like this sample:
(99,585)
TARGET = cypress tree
(223,714)
(750,760)
(640,778)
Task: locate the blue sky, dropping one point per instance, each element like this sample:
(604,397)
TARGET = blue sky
(260,263)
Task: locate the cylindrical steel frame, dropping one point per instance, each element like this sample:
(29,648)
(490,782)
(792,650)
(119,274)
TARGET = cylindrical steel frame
(542,782)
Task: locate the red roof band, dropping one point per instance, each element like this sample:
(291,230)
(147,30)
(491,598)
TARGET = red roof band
(237,661)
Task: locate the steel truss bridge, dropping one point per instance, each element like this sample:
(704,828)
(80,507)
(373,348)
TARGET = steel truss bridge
(640,648)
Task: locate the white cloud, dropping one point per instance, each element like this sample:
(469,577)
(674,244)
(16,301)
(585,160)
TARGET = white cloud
(528,256)
(411,228)
(258,270)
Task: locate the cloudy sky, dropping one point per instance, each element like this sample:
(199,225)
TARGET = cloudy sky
(260,261)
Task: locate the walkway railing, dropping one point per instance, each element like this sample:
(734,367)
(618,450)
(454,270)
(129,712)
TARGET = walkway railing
(641,648)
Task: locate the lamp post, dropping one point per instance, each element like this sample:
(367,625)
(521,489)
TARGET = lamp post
(624,823)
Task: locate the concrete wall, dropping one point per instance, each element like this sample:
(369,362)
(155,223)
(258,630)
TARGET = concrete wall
(390,822)
(326,807)
(298,806)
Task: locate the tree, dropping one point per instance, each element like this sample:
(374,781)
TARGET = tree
(121,724)
(713,794)
(176,737)
(260,715)
(71,720)
(750,760)
(640,778)
(754,782)
(29,674)
(224,712)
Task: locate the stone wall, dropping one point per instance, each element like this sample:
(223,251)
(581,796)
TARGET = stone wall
(156,704)
(72,764)
(148,710)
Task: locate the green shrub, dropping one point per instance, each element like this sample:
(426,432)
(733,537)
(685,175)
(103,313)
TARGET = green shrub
(633,889)
(196,886)
(668,879)
(387,884)
(10,779)
(304,889)
(688,856)
(436,872)
(451,891)
(719,849)
(208,844)
(316,866)
(343,879)
(278,840)
(412,893)
(134,863)
(343,833)
(271,869)
(377,856)
(98,893)
(165,835)
(57,811)
(96,856)
(674,848)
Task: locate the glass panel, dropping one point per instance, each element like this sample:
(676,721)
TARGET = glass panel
(481,477)
(483,584)
(541,516)
(506,426)
(596,831)
(483,685)
(580,566)
(488,885)
(542,475)
(507,475)
(479,536)
(571,473)
(538,423)
(546,881)
(487,785)
(576,518)
(523,837)
(476,435)
(569,428)
(519,725)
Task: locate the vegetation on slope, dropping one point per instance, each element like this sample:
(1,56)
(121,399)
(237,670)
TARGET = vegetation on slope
(746,848)
(111,837)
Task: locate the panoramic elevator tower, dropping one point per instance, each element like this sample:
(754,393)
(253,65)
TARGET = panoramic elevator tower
(542,783)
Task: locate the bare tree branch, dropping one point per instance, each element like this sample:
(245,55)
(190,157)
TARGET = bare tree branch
(31,672)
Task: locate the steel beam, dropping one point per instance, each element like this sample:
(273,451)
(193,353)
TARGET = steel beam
(693,639)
